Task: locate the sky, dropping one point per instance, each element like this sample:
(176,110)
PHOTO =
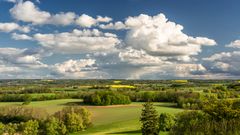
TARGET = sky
(119,39)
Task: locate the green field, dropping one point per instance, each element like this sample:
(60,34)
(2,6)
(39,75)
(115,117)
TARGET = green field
(118,119)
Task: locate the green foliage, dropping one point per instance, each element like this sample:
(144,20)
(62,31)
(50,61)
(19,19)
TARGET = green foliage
(148,96)
(1,128)
(189,101)
(31,97)
(149,119)
(10,129)
(75,118)
(221,88)
(17,114)
(220,117)
(74,122)
(189,121)
(221,109)
(166,121)
(106,98)
(31,127)
(55,127)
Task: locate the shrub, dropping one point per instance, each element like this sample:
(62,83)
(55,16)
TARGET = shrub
(190,122)
(75,118)
(54,126)
(1,128)
(166,121)
(10,129)
(74,122)
(31,127)
(17,114)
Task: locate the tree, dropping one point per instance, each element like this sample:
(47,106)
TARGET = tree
(106,98)
(31,127)
(190,121)
(83,113)
(96,100)
(166,121)
(55,127)
(10,129)
(149,119)
(1,128)
(74,122)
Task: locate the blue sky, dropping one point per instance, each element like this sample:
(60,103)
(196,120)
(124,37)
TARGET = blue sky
(120,39)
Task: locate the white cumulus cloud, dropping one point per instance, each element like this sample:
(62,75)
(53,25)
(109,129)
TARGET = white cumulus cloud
(88,21)
(114,26)
(9,27)
(78,41)
(234,44)
(28,12)
(20,58)
(82,68)
(227,63)
(17,36)
(158,36)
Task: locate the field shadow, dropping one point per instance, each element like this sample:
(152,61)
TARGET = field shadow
(127,132)
(167,105)
(74,103)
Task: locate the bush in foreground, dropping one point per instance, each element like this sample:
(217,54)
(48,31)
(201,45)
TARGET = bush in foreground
(54,126)
(25,121)
(31,127)
(74,118)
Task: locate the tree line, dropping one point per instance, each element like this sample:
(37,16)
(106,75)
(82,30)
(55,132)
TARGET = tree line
(106,98)
(221,117)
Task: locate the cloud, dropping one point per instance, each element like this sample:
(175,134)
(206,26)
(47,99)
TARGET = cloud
(114,26)
(9,27)
(78,41)
(20,58)
(135,64)
(158,36)
(154,47)
(137,57)
(226,63)
(62,19)
(88,21)
(234,44)
(28,12)
(157,48)
(11,1)
(201,41)
(16,63)
(4,69)
(16,36)
(105,19)
(82,68)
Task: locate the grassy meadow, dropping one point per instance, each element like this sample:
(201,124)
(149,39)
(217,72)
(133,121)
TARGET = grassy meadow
(115,119)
